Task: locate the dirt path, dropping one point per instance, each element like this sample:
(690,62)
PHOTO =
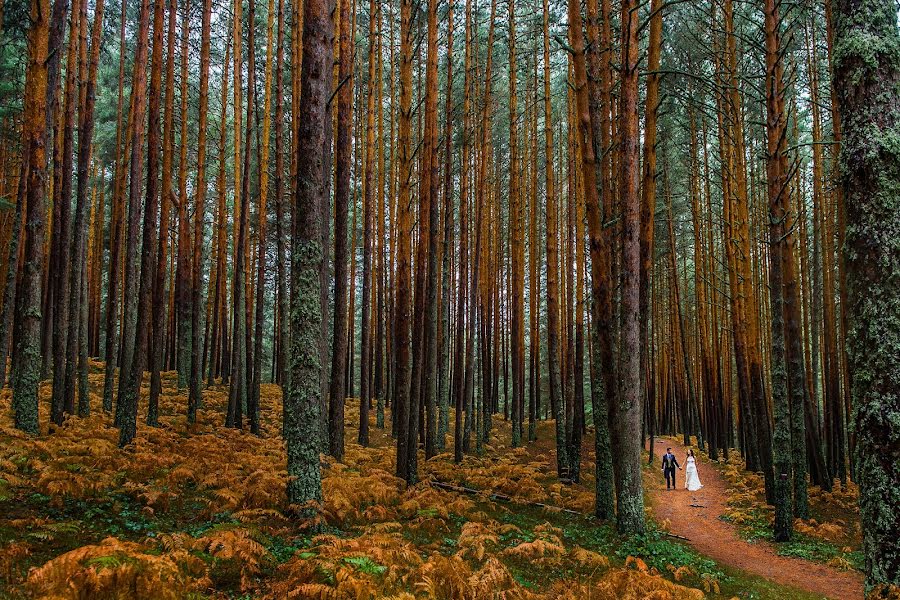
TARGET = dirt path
(720,541)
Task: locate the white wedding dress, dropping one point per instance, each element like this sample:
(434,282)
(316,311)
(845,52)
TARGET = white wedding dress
(691,479)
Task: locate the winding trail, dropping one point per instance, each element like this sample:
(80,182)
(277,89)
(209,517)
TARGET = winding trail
(710,535)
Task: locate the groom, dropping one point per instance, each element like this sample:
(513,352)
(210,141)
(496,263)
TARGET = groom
(668,464)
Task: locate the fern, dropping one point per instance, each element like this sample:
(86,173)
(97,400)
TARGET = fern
(366,565)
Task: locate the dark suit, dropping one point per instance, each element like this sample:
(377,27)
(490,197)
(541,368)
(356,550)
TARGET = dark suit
(669,464)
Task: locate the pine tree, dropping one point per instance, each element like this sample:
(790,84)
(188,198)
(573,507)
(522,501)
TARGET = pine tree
(302,401)
(866,70)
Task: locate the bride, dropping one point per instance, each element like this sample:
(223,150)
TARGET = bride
(691,479)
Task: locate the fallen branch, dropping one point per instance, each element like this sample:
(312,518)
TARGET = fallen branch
(501,497)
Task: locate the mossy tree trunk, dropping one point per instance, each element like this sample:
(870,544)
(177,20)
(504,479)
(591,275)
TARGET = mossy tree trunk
(867,79)
(302,404)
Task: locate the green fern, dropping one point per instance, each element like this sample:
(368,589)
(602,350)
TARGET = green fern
(365,565)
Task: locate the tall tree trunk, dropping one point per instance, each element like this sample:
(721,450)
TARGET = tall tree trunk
(648,190)
(26,357)
(778,192)
(534,256)
(402,401)
(158,318)
(517,245)
(196,371)
(302,402)
(253,408)
(432,177)
(381,240)
(343,150)
(555,373)
(60,217)
(182,340)
(625,413)
(447,255)
(867,71)
(600,282)
(79,239)
(745,311)
(237,394)
(365,391)
(117,210)
(464,310)
(13,263)
(58,276)
(281,227)
(129,379)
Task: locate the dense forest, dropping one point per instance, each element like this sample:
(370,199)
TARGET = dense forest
(407,298)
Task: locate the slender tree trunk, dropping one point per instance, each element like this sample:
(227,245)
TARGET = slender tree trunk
(111,353)
(78,251)
(281,228)
(778,191)
(26,357)
(343,150)
(600,269)
(55,133)
(463,305)
(237,395)
(158,318)
(445,300)
(195,397)
(365,391)
(432,177)
(401,399)
(534,256)
(517,245)
(381,240)
(648,190)
(13,263)
(129,380)
(58,269)
(556,400)
(253,408)
(183,340)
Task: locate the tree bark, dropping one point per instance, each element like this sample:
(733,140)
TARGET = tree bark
(337,388)
(867,72)
(302,401)
(26,357)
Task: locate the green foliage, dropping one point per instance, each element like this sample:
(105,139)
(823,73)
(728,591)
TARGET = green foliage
(283,550)
(660,551)
(109,562)
(819,551)
(366,565)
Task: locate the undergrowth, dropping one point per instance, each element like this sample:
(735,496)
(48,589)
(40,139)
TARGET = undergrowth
(832,535)
(201,512)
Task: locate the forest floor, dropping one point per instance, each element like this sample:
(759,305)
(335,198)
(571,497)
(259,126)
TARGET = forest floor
(702,517)
(200,512)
